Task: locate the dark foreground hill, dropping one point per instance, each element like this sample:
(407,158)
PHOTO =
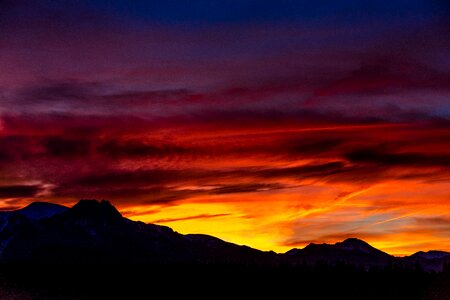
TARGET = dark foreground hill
(91,251)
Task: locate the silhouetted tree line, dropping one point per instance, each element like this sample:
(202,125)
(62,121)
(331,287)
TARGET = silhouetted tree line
(307,281)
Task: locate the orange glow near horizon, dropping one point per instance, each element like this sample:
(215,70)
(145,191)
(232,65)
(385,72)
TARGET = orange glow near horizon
(392,216)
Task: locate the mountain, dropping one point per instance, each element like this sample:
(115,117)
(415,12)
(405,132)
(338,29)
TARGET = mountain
(354,244)
(95,232)
(35,211)
(356,252)
(90,251)
(351,251)
(433,254)
(430,260)
(41,210)
(12,221)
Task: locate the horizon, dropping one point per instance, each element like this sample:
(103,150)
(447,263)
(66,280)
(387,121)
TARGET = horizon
(271,124)
(187,233)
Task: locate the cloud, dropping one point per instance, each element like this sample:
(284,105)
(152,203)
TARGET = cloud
(136,178)
(135,148)
(375,156)
(168,185)
(19,191)
(69,91)
(314,145)
(151,177)
(57,146)
(245,188)
(202,216)
(384,76)
(437,224)
(128,196)
(307,171)
(115,155)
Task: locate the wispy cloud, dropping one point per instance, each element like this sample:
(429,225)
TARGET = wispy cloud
(203,216)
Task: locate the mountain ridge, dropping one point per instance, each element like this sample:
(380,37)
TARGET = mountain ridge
(95,232)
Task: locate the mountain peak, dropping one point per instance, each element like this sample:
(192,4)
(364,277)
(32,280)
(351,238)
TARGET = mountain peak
(41,210)
(95,208)
(353,240)
(348,245)
(355,244)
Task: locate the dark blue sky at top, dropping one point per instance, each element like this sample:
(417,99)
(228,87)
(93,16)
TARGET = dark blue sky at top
(217,11)
(60,38)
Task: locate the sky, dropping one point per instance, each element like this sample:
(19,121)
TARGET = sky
(272,124)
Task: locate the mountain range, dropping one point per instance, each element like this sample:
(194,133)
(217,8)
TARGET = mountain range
(94,232)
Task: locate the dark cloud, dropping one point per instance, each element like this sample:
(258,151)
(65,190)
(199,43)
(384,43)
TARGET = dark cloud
(135,148)
(133,195)
(72,96)
(377,156)
(11,147)
(149,177)
(167,195)
(358,174)
(30,147)
(145,98)
(65,91)
(384,76)
(136,178)
(57,146)
(302,172)
(17,147)
(163,185)
(202,216)
(19,191)
(246,188)
(314,145)
(276,118)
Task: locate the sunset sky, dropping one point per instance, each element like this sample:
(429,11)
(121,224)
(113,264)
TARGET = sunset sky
(267,123)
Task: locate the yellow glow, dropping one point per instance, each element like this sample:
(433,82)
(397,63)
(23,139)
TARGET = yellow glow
(385,215)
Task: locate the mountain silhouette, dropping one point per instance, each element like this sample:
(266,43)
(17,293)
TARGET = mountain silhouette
(90,251)
(433,254)
(35,211)
(354,244)
(429,261)
(350,251)
(95,232)
(97,211)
